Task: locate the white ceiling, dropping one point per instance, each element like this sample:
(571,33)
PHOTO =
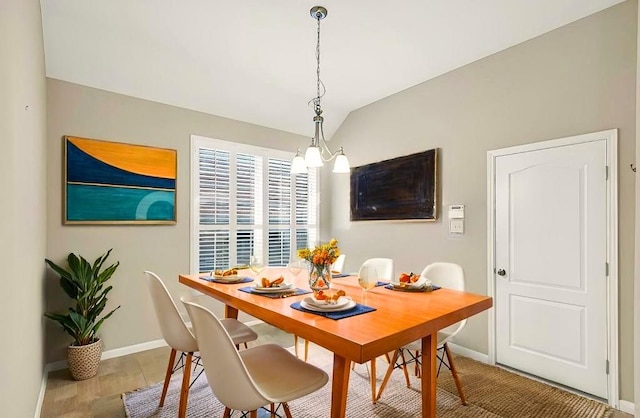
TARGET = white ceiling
(254,60)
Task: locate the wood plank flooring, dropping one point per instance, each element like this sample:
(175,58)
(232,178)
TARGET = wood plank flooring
(100,397)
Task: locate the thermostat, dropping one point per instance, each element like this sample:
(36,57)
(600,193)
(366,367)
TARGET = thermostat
(456,212)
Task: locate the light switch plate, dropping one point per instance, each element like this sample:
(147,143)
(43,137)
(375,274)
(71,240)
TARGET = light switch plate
(456,226)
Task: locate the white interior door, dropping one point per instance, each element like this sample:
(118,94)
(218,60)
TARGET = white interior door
(551,264)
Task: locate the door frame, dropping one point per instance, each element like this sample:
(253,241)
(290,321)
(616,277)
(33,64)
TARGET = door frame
(611,138)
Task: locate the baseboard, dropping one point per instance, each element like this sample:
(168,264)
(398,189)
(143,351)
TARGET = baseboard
(136,348)
(467,352)
(626,406)
(43,390)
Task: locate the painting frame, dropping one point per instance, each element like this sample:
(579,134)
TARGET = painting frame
(116,183)
(404,188)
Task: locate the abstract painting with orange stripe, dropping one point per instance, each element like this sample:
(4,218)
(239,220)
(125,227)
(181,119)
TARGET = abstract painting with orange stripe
(111,182)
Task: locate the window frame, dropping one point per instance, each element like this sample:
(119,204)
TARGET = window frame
(196,143)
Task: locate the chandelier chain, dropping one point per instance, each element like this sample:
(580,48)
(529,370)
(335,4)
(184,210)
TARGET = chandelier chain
(319,83)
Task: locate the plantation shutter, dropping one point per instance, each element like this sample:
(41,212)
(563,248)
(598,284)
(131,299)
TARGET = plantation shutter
(248,202)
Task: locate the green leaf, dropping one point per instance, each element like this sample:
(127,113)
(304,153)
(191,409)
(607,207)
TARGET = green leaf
(83,282)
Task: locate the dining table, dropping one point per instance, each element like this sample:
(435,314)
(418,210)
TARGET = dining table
(396,318)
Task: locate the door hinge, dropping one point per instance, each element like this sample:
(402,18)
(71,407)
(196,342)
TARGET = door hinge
(606,269)
(607,366)
(606,172)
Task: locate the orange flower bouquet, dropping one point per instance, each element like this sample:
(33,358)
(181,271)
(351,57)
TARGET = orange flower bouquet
(320,260)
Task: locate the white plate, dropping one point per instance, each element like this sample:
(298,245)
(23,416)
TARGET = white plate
(422,282)
(328,308)
(227,279)
(282,288)
(342,301)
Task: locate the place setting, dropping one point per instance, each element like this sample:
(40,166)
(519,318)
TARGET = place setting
(274,289)
(228,276)
(411,282)
(335,304)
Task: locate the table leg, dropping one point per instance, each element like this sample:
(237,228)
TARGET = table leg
(428,378)
(340,386)
(230,312)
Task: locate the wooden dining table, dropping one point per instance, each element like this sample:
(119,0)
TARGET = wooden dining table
(400,318)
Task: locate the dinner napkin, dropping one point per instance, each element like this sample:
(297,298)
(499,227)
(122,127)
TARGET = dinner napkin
(356,310)
(213,279)
(277,295)
(338,275)
(412,289)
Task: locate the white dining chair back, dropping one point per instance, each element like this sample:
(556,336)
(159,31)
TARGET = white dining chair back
(250,379)
(448,276)
(180,338)
(338,265)
(383,266)
(444,275)
(225,371)
(172,326)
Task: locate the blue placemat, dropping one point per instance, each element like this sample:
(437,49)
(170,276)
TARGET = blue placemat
(277,295)
(213,280)
(357,310)
(381,283)
(408,289)
(338,275)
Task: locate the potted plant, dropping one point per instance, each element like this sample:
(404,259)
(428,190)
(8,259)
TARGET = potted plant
(84,283)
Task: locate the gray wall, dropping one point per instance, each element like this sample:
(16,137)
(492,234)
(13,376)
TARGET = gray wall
(580,78)
(636,295)
(90,113)
(23,205)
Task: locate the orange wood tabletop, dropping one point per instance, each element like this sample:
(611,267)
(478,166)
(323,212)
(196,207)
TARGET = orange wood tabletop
(399,318)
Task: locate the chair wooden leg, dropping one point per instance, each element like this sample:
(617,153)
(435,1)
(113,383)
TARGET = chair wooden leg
(272,409)
(245,345)
(306,349)
(227,412)
(387,375)
(295,344)
(287,412)
(253,414)
(454,372)
(404,369)
(167,377)
(184,391)
(372,378)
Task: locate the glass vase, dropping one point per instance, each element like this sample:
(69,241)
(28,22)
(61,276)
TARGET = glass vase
(319,277)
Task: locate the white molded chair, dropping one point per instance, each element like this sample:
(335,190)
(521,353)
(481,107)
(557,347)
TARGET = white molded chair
(384,269)
(338,265)
(179,337)
(252,378)
(450,276)
(383,266)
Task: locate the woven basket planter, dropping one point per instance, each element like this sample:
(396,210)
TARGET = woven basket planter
(84,360)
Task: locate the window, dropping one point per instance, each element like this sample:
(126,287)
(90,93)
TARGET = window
(246,201)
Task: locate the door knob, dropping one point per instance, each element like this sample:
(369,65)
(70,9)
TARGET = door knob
(501,272)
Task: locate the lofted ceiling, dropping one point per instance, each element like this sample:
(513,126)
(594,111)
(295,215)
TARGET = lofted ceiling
(254,60)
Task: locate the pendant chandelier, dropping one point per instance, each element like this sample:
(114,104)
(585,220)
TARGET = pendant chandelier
(319,152)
